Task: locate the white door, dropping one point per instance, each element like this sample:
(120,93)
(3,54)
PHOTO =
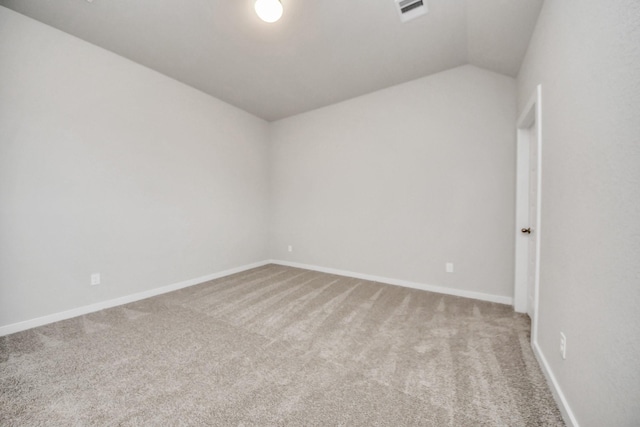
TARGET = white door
(531,230)
(527,257)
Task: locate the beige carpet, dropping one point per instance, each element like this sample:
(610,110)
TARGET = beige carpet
(279,346)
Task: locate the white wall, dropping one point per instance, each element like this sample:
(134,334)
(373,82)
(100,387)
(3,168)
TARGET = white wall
(106,166)
(400,181)
(586,55)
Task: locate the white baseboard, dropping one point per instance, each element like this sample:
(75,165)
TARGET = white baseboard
(424,287)
(567,414)
(55,317)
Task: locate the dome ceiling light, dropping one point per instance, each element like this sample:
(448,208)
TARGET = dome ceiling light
(269,10)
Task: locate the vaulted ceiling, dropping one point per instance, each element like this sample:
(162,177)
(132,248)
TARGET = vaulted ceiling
(321,51)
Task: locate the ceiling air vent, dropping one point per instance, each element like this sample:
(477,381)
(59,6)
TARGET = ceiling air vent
(410,9)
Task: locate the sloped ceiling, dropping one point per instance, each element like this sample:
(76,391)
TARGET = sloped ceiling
(321,51)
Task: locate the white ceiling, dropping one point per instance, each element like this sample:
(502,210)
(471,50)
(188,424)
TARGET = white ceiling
(321,51)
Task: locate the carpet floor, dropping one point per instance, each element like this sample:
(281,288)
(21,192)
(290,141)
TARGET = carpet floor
(279,346)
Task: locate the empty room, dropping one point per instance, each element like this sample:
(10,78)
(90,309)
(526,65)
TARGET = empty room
(296,212)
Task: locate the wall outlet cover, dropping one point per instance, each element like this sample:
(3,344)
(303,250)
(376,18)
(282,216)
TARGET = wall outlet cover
(563,345)
(95,279)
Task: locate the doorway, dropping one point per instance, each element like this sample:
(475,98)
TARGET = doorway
(528,191)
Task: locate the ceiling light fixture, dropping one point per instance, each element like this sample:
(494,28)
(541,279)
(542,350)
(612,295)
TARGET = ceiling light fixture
(269,10)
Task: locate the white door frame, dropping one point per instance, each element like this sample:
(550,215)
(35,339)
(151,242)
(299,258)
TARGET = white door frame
(530,120)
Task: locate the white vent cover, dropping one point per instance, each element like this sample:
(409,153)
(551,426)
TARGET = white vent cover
(410,9)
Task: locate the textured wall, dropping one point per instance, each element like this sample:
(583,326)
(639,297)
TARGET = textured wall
(586,54)
(400,181)
(106,166)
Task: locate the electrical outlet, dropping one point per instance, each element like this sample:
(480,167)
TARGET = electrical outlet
(290,248)
(95,279)
(449,267)
(563,345)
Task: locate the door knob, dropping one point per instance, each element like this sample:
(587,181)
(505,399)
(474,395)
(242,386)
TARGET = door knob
(526,230)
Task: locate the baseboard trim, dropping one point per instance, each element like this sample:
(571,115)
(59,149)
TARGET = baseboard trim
(567,414)
(404,283)
(79,311)
(56,317)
